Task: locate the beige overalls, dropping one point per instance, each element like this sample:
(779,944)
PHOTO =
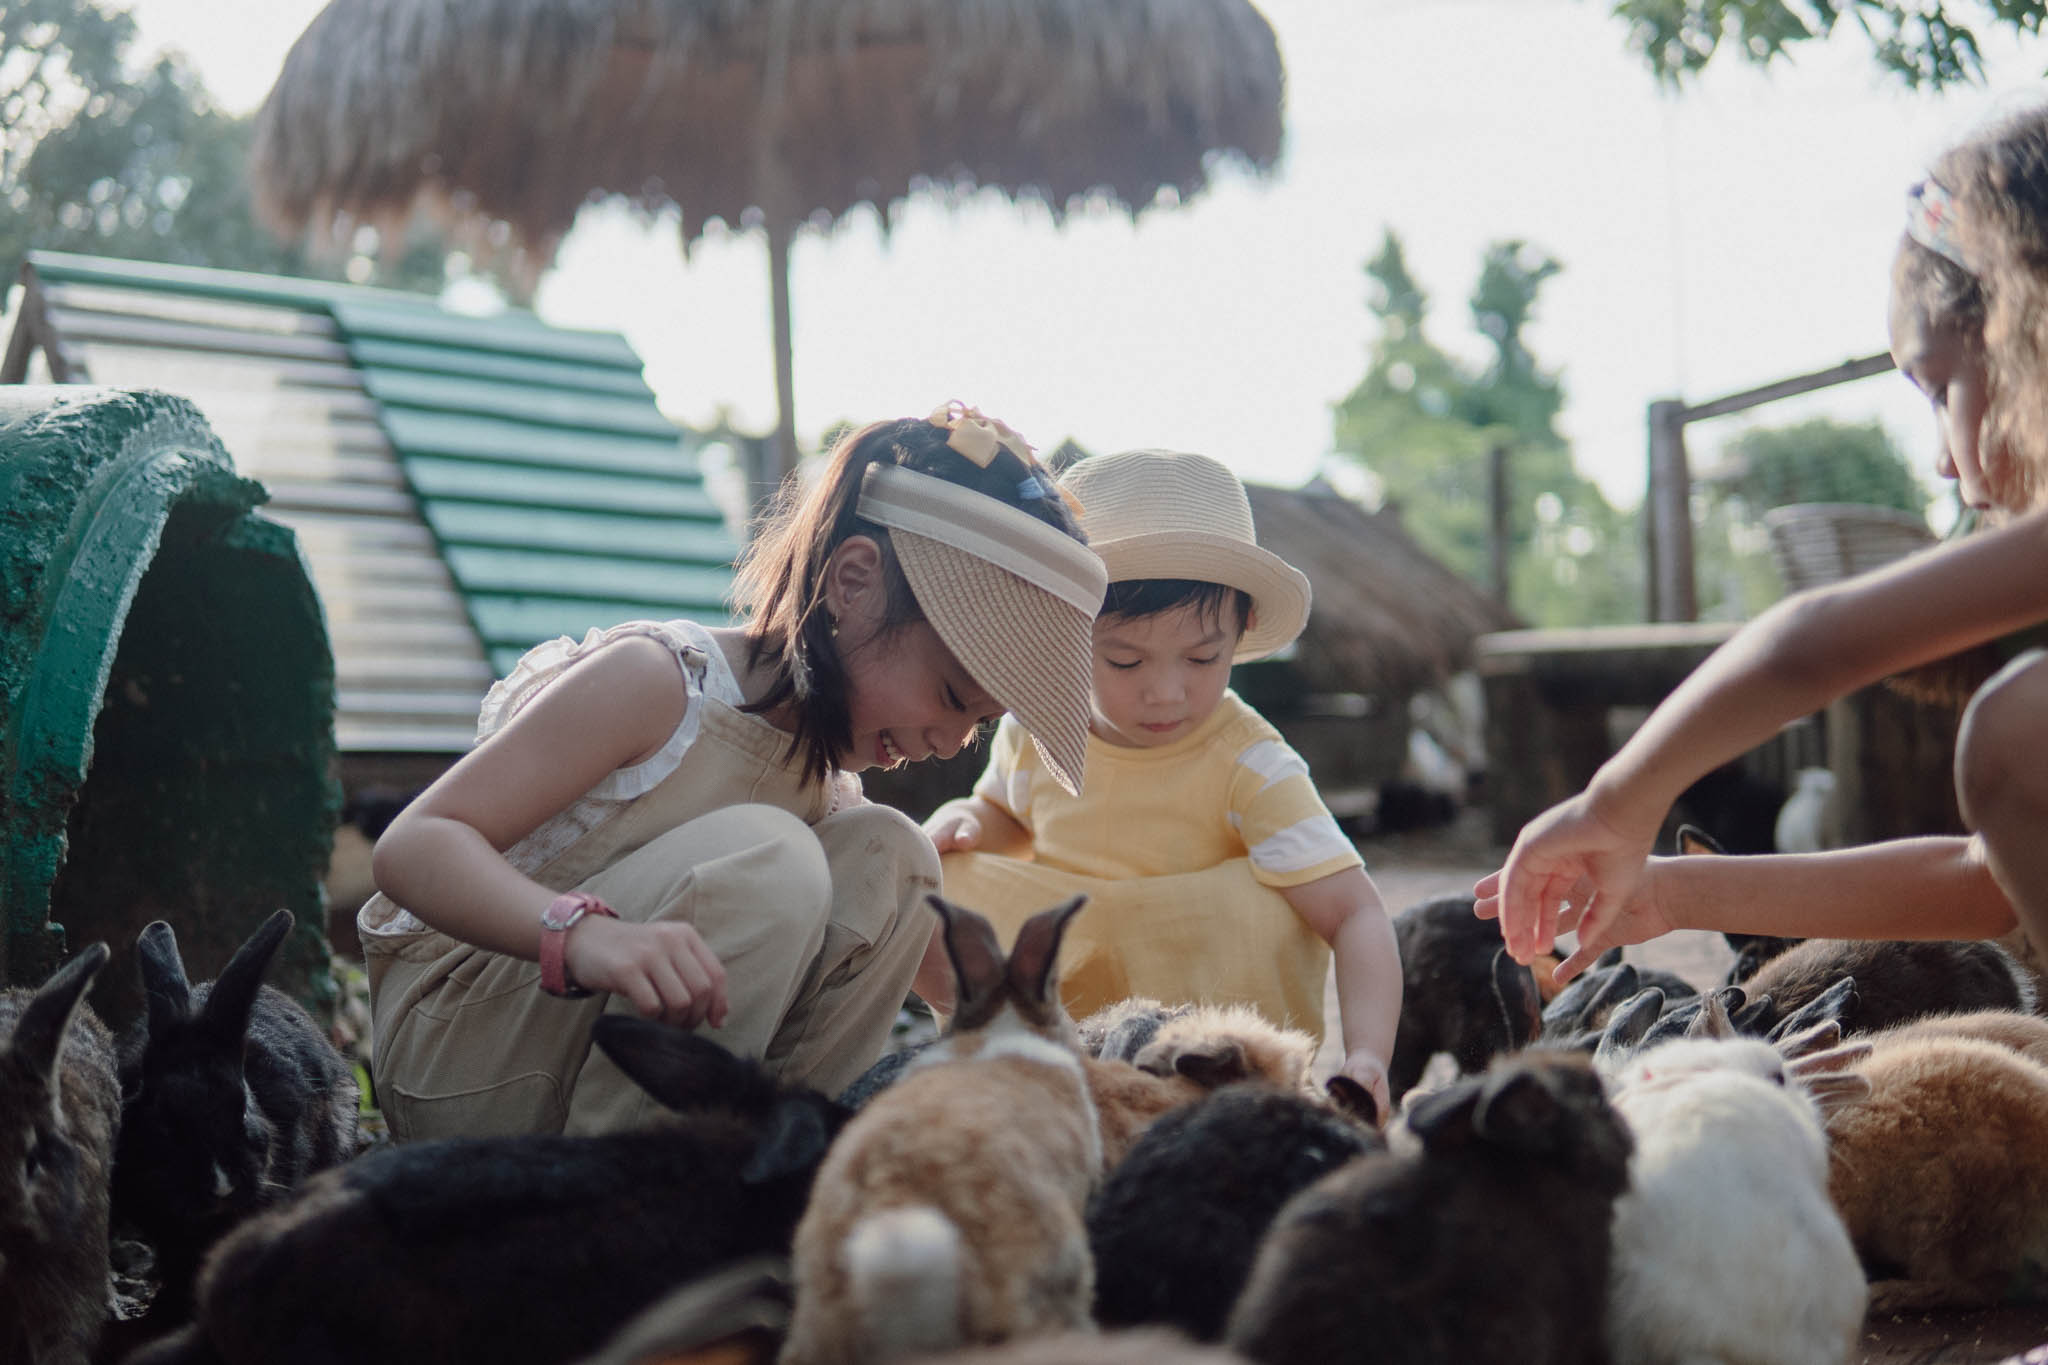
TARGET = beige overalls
(818,917)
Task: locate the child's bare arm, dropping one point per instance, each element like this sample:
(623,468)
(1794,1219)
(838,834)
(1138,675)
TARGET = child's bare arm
(1346,911)
(978,824)
(442,858)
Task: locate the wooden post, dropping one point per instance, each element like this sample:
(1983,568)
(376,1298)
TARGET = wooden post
(778,453)
(1497,521)
(1668,508)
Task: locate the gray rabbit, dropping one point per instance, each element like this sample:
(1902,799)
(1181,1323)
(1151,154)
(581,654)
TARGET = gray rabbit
(59,1108)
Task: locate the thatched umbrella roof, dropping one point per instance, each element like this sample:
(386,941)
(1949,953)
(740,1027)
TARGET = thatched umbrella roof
(1389,618)
(516,113)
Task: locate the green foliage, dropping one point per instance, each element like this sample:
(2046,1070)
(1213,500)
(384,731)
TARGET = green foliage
(1423,423)
(97,158)
(1925,43)
(1818,460)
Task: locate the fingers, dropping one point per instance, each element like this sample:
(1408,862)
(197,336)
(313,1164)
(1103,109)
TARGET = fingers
(665,970)
(955,832)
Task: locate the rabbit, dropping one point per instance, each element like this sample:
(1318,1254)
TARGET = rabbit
(1897,980)
(527,1249)
(1726,1245)
(734,1316)
(1144,1347)
(1175,1225)
(230,1096)
(60,1106)
(1463,1249)
(1117,1032)
(1941,1172)
(1460,992)
(1201,1049)
(2026,1034)
(949,1213)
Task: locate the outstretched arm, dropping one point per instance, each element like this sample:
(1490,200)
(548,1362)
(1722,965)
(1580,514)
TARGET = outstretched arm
(1345,911)
(1588,852)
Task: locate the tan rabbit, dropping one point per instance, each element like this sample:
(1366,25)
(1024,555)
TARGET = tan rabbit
(1941,1174)
(949,1212)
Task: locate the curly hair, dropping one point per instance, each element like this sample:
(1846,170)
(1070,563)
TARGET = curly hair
(1999,306)
(780,585)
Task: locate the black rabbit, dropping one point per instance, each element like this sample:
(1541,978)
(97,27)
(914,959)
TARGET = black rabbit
(520,1249)
(1462,1251)
(59,1107)
(1175,1226)
(230,1096)
(1460,992)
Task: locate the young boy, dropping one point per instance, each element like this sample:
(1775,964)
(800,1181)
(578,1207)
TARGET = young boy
(1212,868)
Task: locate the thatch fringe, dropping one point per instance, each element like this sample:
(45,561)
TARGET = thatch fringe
(1389,618)
(520,111)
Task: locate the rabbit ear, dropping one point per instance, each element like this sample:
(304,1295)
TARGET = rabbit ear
(1627,1025)
(680,1069)
(225,1015)
(1517,1108)
(1520,1000)
(1621,982)
(795,1140)
(39,1032)
(1693,839)
(1712,1020)
(1214,1064)
(163,977)
(975,951)
(1036,953)
(1443,1117)
(1834,1004)
(1805,1042)
(1354,1099)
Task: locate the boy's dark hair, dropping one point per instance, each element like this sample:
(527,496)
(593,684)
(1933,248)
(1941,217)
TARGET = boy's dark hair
(1136,598)
(780,583)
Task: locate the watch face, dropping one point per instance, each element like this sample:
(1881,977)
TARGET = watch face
(561,914)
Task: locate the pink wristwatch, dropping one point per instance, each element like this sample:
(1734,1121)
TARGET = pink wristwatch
(556,921)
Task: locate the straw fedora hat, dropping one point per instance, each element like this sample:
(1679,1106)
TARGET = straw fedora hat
(1167,514)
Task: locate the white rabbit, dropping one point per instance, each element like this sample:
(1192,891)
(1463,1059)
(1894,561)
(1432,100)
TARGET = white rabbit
(1726,1247)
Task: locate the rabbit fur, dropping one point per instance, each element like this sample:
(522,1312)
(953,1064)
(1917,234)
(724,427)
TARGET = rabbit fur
(949,1213)
(1726,1246)
(1145,1347)
(60,1106)
(1941,1173)
(1460,992)
(230,1096)
(522,1249)
(1175,1226)
(1397,1258)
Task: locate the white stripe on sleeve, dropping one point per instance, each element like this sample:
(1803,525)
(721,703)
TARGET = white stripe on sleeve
(1272,760)
(1302,844)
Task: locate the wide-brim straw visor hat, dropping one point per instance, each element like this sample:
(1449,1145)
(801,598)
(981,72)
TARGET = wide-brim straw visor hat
(1013,597)
(1168,514)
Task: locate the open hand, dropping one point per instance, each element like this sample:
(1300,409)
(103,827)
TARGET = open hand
(665,968)
(1571,871)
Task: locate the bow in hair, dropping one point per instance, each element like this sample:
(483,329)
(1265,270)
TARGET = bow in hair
(978,437)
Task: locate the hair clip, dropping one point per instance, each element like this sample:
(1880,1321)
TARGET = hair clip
(978,437)
(1931,221)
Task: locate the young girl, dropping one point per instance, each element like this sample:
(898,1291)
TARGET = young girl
(662,818)
(1969,327)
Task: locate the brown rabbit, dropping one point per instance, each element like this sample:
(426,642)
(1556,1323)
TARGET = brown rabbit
(1193,1054)
(949,1212)
(1941,1173)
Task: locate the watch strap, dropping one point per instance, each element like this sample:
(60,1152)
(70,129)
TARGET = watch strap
(562,915)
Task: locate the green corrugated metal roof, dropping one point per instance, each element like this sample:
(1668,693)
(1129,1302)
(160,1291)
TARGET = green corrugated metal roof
(560,496)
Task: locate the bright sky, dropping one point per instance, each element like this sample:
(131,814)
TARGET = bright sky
(1733,234)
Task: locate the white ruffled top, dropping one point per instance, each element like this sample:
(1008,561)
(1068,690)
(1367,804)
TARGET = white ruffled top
(706,673)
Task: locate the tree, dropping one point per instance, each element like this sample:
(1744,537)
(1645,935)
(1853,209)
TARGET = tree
(97,158)
(1930,43)
(1818,460)
(1422,423)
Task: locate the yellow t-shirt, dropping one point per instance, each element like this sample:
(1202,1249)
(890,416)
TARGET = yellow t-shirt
(1231,789)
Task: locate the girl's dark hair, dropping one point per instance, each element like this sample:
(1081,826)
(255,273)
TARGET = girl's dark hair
(1999,179)
(780,584)
(1135,598)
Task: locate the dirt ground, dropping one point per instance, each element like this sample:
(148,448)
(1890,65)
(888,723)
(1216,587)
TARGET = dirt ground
(1413,867)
